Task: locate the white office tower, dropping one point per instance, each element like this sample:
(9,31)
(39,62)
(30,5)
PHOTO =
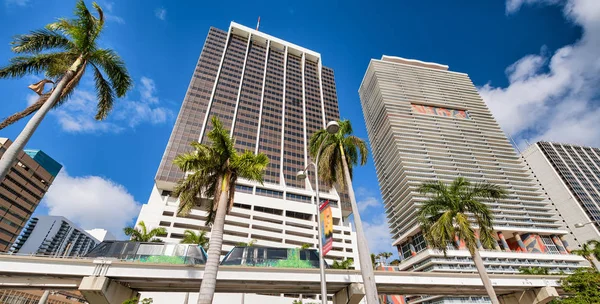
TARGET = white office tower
(53,236)
(427,123)
(101,234)
(570,175)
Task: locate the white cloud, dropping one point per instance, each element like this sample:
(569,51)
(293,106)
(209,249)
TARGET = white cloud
(375,224)
(16,2)
(32,98)
(161,13)
(368,202)
(554,97)
(514,5)
(91,202)
(77,114)
(114,18)
(107,8)
(148,90)
(378,235)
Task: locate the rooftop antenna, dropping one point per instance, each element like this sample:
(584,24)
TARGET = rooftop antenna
(258,23)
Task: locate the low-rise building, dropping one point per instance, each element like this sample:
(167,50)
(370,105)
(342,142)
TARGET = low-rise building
(54,236)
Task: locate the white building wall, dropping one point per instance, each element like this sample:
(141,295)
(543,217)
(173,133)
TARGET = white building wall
(562,198)
(101,234)
(244,225)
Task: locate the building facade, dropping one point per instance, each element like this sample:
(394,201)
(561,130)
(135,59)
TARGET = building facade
(427,123)
(272,95)
(53,236)
(22,190)
(101,234)
(570,175)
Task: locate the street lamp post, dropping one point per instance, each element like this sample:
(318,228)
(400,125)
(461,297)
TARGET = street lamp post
(332,128)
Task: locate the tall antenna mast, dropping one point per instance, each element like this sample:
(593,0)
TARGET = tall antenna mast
(258,23)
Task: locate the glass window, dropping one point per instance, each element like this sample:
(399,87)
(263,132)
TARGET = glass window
(276,253)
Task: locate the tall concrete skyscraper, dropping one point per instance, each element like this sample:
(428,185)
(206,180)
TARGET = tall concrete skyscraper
(570,176)
(272,95)
(427,123)
(22,190)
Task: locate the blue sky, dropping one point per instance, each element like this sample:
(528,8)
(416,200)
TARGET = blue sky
(535,63)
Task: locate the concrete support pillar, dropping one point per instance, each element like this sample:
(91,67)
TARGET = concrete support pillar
(565,243)
(44,297)
(503,241)
(497,246)
(102,290)
(477,241)
(559,244)
(540,295)
(520,242)
(351,294)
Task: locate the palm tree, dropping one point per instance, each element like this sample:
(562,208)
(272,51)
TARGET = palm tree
(341,152)
(534,270)
(306,246)
(143,235)
(62,51)
(248,244)
(384,256)
(590,251)
(374,260)
(395,262)
(345,264)
(191,237)
(213,171)
(447,214)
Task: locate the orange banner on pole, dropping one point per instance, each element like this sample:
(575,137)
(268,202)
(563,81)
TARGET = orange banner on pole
(326,227)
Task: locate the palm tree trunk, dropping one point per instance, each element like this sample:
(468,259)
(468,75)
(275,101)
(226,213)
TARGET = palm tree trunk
(487,283)
(209,279)
(10,156)
(28,111)
(364,255)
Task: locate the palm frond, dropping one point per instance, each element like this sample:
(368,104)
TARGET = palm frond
(330,166)
(40,40)
(144,230)
(435,188)
(85,30)
(250,166)
(133,233)
(105,95)
(35,64)
(157,231)
(221,142)
(115,69)
(315,142)
(156,240)
(189,190)
(62,25)
(465,232)
(486,191)
(361,147)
